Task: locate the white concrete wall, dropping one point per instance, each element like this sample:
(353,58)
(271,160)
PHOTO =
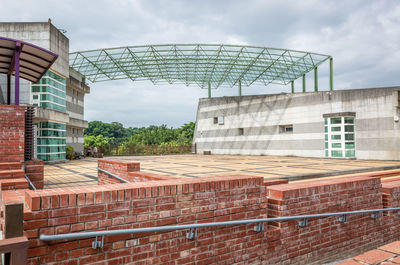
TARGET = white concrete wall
(377,134)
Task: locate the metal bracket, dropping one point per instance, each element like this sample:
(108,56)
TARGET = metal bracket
(343,218)
(259,227)
(98,244)
(303,222)
(375,215)
(192,234)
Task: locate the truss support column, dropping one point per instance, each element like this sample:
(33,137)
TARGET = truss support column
(16,69)
(316,79)
(209,90)
(292,84)
(304,83)
(331,74)
(9,89)
(240,88)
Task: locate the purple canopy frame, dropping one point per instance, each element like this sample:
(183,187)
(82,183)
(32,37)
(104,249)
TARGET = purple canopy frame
(14,66)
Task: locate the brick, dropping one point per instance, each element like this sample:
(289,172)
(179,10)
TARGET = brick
(63,220)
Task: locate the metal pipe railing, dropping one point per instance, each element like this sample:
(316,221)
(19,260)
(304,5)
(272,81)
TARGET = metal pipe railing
(30,182)
(112,175)
(193,227)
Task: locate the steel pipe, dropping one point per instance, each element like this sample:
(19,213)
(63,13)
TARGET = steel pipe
(112,175)
(204,225)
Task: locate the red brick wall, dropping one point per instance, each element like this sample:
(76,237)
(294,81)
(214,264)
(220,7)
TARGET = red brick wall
(327,238)
(391,194)
(121,169)
(221,198)
(12,133)
(135,205)
(129,171)
(34,170)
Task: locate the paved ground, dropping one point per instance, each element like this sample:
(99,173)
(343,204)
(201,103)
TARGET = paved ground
(385,255)
(83,172)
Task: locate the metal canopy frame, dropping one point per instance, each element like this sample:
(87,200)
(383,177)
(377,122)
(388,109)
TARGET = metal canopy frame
(23,60)
(206,65)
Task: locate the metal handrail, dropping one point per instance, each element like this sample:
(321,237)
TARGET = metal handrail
(30,182)
(112,175)
(193,227)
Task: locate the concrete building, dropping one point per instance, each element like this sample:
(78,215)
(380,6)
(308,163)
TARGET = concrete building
(361,123)
(76,90)
(59,95)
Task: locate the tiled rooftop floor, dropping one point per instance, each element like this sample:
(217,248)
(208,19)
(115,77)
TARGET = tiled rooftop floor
(385,255)
(83,172)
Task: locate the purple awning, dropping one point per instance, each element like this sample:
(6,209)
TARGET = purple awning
(33,60)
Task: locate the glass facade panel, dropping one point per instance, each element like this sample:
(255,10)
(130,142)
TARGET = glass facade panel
(349,128)
(337,153)
(335,129)
(350,145)
(350,153)
(349,120)
(336,145)
(336,120)
(336,137)
(51,142)
(51,90)
(349,137)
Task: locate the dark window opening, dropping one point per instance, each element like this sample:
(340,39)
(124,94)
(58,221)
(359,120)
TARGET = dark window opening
(286,128)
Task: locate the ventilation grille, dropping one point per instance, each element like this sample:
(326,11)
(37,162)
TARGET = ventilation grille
(29,133)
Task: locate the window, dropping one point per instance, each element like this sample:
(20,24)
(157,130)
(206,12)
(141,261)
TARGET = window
(241,131)
(219,120)
(286,128)
(339,136)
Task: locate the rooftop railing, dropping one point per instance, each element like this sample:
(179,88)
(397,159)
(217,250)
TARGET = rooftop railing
(112,175)
(192,233)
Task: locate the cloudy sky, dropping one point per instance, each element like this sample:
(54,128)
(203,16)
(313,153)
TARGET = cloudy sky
(362,36)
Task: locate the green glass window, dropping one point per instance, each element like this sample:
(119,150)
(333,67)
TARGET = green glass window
(349,136)
(52,125)
(335,129)
(349,120)
(326,121)
(326,129)
(51,141)
(326,153)
(336,137)
(326,145)
(336,120)
(349,128)
(337,153)
(336,145)
(326,137)
(350,153)
(350,145)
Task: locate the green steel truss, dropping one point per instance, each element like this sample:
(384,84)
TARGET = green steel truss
(207,65)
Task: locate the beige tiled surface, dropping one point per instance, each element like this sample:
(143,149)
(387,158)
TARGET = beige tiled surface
(83,172)
(387,254)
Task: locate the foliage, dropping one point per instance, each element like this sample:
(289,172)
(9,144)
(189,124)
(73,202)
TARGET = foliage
(69,152)
(113,138)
